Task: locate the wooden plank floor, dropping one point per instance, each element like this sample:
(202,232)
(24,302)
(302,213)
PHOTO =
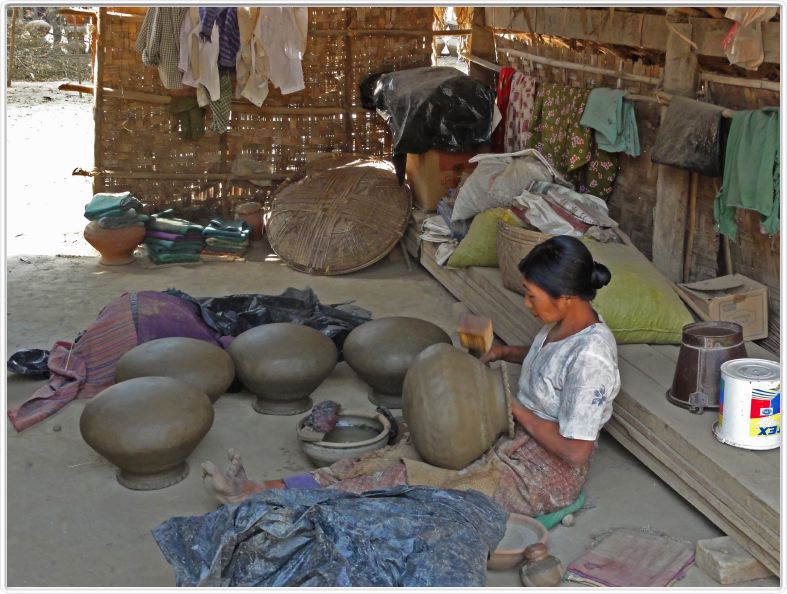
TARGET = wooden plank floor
(736,489)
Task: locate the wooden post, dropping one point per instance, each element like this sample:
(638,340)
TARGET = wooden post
(98,98)
(672,184)
(10,65)
(482,44)
(348,82)
(690,230)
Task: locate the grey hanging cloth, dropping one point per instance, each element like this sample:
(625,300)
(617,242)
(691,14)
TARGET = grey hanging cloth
(690,137)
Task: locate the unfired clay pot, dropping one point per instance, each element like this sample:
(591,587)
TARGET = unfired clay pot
(205,366)
(455,406)
(147,426)
(116,246)
(381,352)
(282,364)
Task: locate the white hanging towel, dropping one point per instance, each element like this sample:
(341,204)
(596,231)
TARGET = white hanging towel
(283,32)
(199,60)
(252,69)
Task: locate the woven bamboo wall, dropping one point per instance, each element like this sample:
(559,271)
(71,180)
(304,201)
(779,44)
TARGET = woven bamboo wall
(140,137)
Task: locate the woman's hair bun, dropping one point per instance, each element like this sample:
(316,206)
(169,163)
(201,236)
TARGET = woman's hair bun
(600,276)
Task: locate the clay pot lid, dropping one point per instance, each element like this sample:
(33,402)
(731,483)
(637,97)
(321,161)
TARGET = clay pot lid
(386,428)
(513,547)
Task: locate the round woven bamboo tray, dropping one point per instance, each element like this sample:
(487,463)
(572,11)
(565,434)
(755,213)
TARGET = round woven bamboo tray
(513,244)
(339,220)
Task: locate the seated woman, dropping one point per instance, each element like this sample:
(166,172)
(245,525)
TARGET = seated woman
(568,381)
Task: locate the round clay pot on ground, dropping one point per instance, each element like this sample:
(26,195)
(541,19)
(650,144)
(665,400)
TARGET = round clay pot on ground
(356,432)
(455,406)
(381,352)
(147,427)
(282,364)
(116,246)
(197,362)
(251,212)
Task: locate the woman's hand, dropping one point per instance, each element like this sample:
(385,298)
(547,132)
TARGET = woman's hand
(501,352)
(496,353)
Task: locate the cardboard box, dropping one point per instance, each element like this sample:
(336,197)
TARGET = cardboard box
(433,173)
(733,298)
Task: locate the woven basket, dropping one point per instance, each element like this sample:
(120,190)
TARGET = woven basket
(339,220)
(513,244)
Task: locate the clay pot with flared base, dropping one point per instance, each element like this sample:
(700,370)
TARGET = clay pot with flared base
(455,406)
(381,352)
(116,246)
(147,427)
(251,213)
(201,364)
(282,364)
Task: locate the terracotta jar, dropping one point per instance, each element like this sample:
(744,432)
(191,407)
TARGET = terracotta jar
(251,212)
(116,246)
(282,364)
(381,352)
(455,406)
(201,364)
(147,426)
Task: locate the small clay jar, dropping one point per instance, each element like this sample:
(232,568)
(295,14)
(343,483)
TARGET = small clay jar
(201,364)
(116,246)
(147,427)
(381,352)
(540,570)
(251,213)
(455,406)
(282,364)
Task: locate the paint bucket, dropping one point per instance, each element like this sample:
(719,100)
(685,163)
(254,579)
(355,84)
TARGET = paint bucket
(749,414)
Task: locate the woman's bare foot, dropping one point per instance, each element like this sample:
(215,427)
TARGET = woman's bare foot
(231,486)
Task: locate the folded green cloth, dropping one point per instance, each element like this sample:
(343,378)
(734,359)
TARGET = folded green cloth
(190,116)
(218,242)
(221,233)
(224,250)
(175,247)
(101,204)
(236,225)
(614,121)
(173,258)
(172,225)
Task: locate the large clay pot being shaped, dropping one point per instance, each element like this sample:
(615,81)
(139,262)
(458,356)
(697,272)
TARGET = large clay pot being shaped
(147,427)
(455,406)
(282,364)
(381,352)
(116,246)
(197,362)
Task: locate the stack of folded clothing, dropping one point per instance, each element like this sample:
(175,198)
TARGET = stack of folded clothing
(225,240)
(170,240)
(115,211)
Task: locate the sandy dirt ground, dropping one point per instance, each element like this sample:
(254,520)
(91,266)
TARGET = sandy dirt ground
(69,522)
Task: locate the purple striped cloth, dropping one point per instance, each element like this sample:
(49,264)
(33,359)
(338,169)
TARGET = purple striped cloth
(190,236)
(229,34)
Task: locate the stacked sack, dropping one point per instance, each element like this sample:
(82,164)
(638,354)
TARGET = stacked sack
(115,211)
(170,240)
(225,240)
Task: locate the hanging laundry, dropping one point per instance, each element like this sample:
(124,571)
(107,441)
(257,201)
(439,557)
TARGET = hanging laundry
(198,60)
(226,19)
(251,67)
(189,115)
(690,137)
(159,43)
(221,108)
(614,121)
(751,171)
(567,145)
(283,32)
(503,90)
(521,98)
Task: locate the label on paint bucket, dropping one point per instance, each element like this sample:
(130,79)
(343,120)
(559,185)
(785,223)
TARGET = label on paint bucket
(765,412)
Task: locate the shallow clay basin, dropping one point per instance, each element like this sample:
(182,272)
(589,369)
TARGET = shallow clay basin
(356,432)
(147,426)
(205,366)
(521,532)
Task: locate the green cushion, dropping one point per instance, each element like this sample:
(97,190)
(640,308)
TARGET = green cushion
(638,304)
(479,247)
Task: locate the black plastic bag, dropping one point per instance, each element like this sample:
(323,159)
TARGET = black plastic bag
(434,108)
(30,362)
(234,314)
(402,536)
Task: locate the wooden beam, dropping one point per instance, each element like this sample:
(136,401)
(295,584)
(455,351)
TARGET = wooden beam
(737,81)
(482,44)
(10,63)
(631,29)
(672,184)
(98,97)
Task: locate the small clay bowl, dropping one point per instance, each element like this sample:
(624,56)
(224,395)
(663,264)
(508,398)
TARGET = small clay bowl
(147,427)
(521,532)
(356,432)
(205,366)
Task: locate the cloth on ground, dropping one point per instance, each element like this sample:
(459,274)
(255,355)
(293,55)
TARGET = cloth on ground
(320,420)
(158,41)
(190,117)
(162,222)
(614,121)
(211,256)
(504,78)
(317,538)
(190,236)
(690,137)
(566,144)
(751,171)
(226,19)
(173,257)
(635,558)
(520,108)
(85,367)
